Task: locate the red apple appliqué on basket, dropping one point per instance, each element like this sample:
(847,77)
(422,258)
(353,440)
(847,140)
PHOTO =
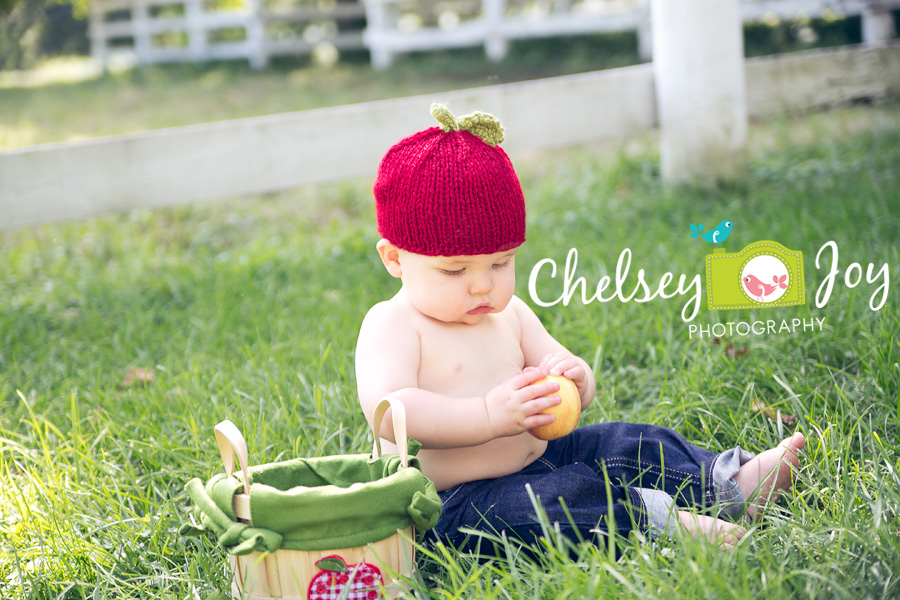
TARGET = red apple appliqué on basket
(356,582)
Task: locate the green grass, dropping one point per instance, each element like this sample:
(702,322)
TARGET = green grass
(249,310)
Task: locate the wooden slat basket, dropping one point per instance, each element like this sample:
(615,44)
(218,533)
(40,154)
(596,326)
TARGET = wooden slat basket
(356,573)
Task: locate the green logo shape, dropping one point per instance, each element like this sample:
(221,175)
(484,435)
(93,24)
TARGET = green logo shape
(762,275)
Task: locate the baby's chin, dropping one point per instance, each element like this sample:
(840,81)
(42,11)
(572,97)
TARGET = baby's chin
(468,319)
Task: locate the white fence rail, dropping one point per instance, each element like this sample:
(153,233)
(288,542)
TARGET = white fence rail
(222,160)
(160,31)
(391,32)
(192,30)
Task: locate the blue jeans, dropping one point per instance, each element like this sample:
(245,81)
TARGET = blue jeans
(620,476)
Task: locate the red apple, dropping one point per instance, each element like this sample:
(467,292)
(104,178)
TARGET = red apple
(567,412)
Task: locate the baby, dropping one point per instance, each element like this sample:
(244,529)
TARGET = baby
(465,356)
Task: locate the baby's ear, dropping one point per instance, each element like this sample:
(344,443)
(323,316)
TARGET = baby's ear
(390,256)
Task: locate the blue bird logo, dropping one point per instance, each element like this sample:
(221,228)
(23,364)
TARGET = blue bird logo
(715,236)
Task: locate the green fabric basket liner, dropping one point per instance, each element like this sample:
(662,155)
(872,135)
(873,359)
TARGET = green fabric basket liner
(317,503)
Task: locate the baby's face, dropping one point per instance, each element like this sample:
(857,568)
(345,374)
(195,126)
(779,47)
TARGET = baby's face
(459,289)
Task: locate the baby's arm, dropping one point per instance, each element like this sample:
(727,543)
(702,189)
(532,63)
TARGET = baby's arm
(544,352)
(387,363)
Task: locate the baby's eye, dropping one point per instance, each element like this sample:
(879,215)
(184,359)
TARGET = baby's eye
(455,273)
(503,264)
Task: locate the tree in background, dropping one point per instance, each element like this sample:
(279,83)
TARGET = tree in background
(29,28)
(17,20)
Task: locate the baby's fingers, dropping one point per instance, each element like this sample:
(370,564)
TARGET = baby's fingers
(534,409)
(538,420)
(569,368)
(523,380)
(550,361)
(542,403)
(539,390)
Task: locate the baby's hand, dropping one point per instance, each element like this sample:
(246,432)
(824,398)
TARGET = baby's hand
(567,365)
(513,406)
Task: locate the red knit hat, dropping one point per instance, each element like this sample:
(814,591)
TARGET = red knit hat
(451,190)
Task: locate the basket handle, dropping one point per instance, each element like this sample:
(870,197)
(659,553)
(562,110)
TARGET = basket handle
(398,418)
(231,442)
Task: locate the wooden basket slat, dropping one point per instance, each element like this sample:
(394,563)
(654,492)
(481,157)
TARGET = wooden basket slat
(273,576)
(292,576)
(285,574)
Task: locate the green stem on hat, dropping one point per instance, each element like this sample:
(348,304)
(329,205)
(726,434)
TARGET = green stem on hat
(482,124)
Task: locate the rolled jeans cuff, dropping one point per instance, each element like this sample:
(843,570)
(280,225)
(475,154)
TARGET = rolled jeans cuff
(660,510)
(729,497)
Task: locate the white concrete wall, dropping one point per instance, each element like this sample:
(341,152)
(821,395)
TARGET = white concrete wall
(222,160)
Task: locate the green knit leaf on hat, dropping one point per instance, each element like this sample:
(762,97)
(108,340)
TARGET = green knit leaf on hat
(482,124)
(444,117)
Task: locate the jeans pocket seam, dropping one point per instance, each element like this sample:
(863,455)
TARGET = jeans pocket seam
(548,464)
(454,491)
(652,467)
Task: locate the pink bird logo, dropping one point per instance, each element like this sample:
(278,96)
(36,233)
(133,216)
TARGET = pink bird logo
(759,289)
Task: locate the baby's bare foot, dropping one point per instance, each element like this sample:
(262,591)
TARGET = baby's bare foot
(715,530)
(766,475)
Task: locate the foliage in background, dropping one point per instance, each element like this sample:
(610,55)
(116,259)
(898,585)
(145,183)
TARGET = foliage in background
(17,19)
(249,310)
(34,30)
(774,36)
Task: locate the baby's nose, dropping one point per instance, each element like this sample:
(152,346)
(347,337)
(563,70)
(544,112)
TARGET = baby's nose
(481,285)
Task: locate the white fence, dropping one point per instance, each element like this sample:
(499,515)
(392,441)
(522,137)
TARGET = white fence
(394,24)
(194,30)
(160,31)
(247,156)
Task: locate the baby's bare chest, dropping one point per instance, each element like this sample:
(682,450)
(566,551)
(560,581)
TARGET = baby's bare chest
(468,360)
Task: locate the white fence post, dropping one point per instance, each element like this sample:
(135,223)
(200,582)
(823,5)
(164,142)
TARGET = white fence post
(140,27)
(877,23)
(645,33)
(698,67)
(496,46)
(97,32)
(374,36)
(256,35)
(193,14)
